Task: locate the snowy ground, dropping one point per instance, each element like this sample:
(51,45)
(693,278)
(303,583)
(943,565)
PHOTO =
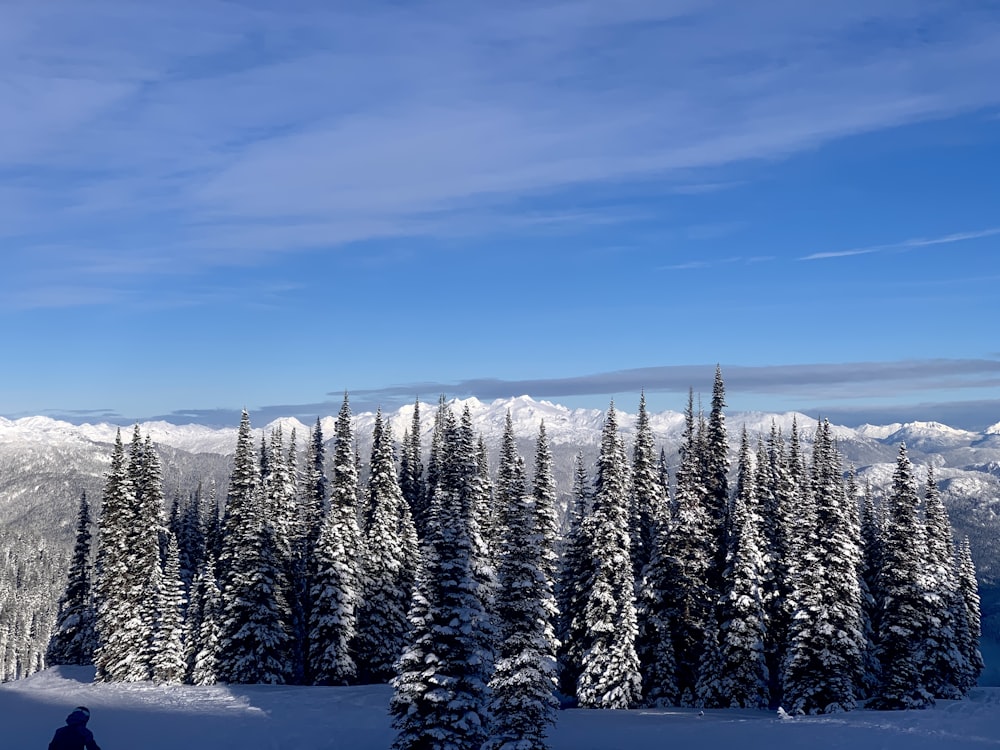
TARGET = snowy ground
(150,717)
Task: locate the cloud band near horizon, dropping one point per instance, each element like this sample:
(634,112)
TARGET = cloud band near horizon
(848,392)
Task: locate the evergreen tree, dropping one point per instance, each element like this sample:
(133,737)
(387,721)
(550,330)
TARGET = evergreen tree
(441,693)
(281,498)
(120,586)
(313,505)
(281,514)
(654,642)
(241,519)
(314,496)
(487,517)
(168,642)
(336,586)
(824,665)
(255,642)
(942,656)
(523,682)
(776,501)
(743,681)
(871,548)
(575,573)
(411,471)
(211,524)
(510,470)
(473,478)
(686,594)
(203,628)
(609,676)
(390,541)
(434,461)
(709,688)
(146,546)
(546,530)
(186,525)
(969,605)
(647,492)
(715,460)
(334,596)
(903,627)
(73,637)
(253,638)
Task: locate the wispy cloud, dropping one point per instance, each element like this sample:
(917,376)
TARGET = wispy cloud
(692,265)
(910,244)
(241,136)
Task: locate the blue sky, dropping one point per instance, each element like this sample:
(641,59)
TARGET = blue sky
(209,205)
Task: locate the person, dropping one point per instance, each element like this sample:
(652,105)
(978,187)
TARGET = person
(75,735)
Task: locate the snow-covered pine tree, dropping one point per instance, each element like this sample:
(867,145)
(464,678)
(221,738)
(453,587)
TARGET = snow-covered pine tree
(575,572)
(470,458)
(434,461)
(441,692)
(211,524)
(824,665)
(168,640)
(510,479)
(314,491)
(942,656)
(281,512)
(336,584)
(743,682)
(774,491)
(686,595)
(969,588)
(524,680)
(281,497)
(411,471)
(203,628)
(487,514)
(903,626)
(609,676)
(185,523)
(73,637)
(241,518)
(654,641)
(716,479)
(253,640)
(709,688)
(147,546)
(546,530)
(254,644)
(312,508)
(871,564)
(390,541)
(122,638)
(648,496)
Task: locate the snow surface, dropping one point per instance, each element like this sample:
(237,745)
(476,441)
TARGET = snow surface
(257,717)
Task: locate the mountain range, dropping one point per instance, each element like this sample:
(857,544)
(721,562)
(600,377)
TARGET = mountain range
(46,463)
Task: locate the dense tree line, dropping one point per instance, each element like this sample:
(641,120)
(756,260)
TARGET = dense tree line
(772,580)
(31,578)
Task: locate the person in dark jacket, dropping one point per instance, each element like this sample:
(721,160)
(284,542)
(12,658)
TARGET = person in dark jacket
(75,735)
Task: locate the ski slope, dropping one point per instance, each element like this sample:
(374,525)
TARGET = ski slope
(158,717)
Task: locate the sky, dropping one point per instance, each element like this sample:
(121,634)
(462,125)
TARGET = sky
(208,206)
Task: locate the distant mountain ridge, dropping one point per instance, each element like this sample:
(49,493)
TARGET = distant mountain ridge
(562,425)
